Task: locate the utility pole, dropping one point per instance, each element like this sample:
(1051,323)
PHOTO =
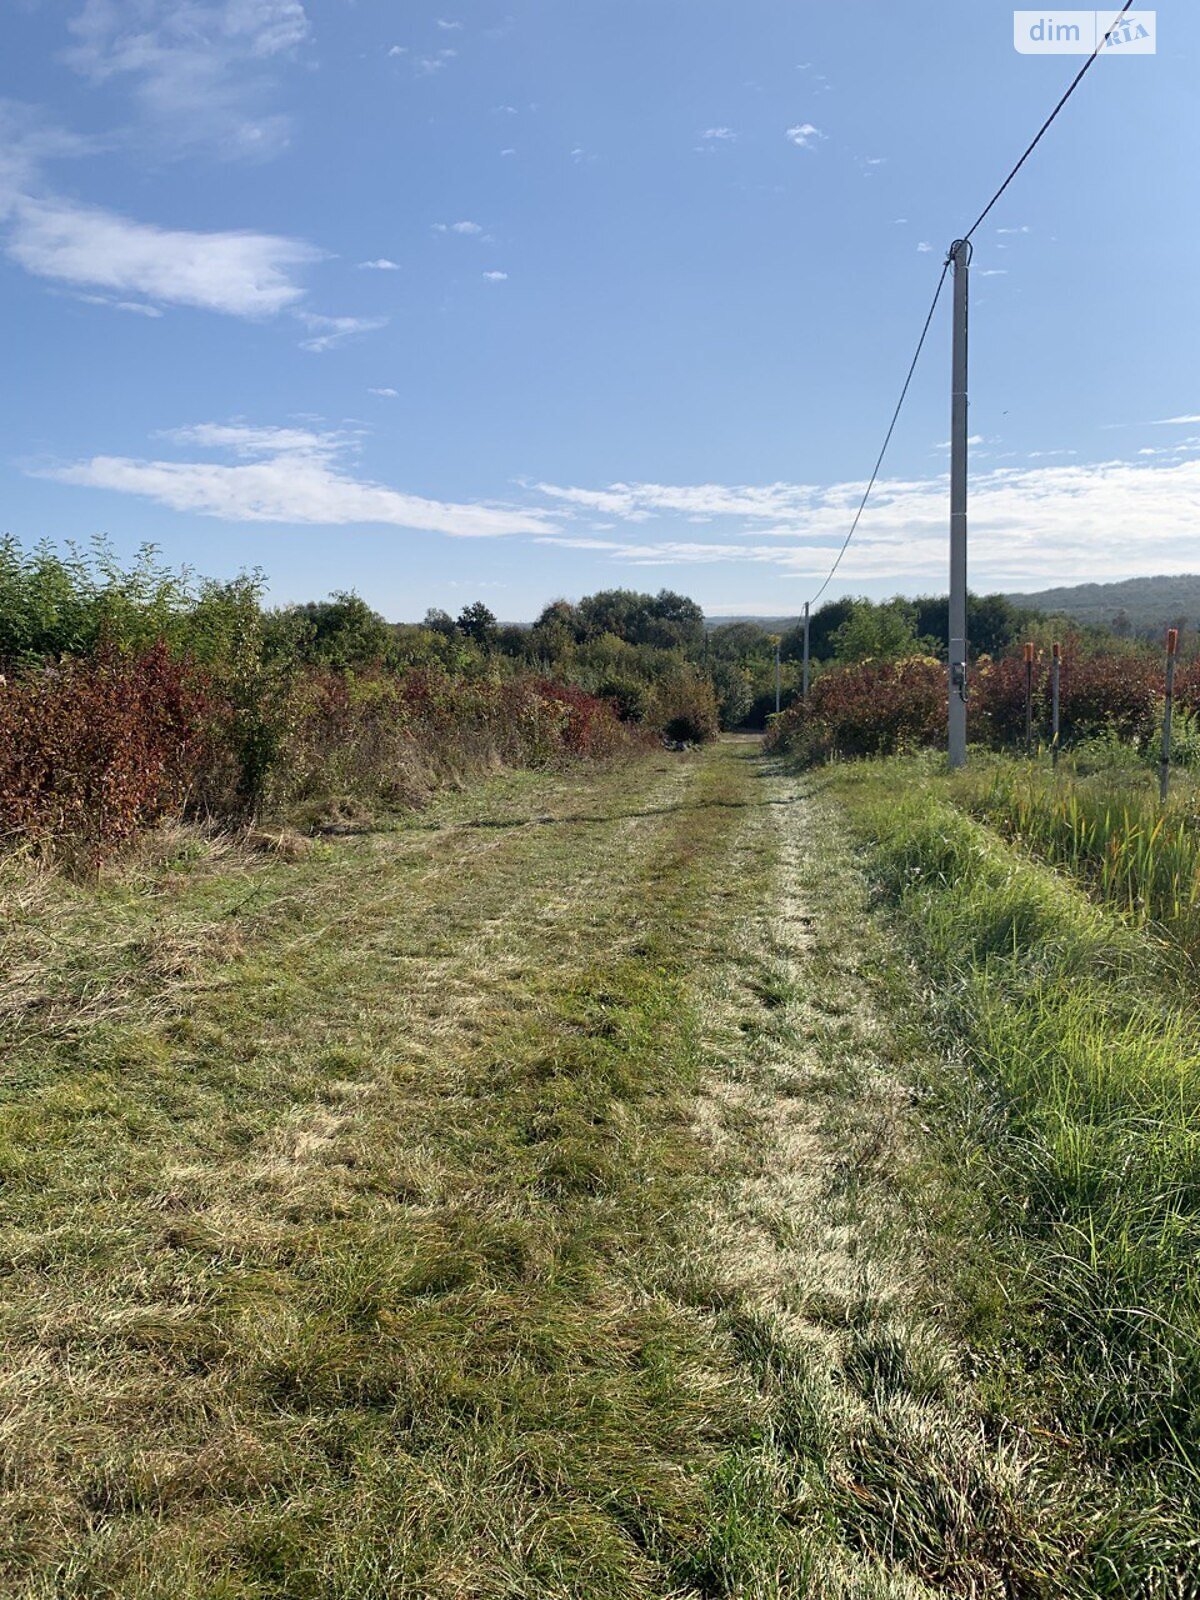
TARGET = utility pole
(778,674)
(960,256)
(804,691)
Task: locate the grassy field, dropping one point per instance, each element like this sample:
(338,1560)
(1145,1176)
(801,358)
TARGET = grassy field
(554,1194)
(1064,1086)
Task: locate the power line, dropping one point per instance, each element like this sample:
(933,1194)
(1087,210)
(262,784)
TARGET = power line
(1077,80)
(888,436)
(1037,139)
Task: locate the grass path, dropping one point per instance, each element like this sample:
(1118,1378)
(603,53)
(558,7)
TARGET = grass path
(517,1201)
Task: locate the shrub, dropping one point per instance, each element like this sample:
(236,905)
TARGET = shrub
(876,708)
(880,707)
(685,708)
(92,751)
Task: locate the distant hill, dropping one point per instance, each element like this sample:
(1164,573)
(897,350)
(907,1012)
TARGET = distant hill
(1146,602)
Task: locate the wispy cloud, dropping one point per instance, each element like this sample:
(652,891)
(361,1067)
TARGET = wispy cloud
(804,135)
(241,274)
(449,27)
(496,277)
(381,265)
(326,333)
(1176,422)
(138,307)
(1031,525)
(466,229)
(288,475)
(386,394)
(719,135)
(202,71)
(924,247)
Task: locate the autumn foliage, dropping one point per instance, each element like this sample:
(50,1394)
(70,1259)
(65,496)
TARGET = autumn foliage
(883,707)
(92,750)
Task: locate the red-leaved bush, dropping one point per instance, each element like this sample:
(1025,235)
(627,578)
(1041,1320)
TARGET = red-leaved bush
(875,709)
(881,707)
(93,750)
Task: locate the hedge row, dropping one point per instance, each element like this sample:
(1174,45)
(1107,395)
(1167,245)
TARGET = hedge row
(883,707)
(94,750)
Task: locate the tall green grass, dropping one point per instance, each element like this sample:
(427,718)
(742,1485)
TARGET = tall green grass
(1108,830)
(1071,1100)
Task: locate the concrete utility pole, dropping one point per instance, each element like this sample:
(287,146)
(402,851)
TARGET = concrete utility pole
(778,674)
(804,691)
(960,256)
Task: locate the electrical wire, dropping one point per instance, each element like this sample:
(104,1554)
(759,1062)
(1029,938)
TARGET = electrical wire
(1076,81)
(1037,139)
(862,505)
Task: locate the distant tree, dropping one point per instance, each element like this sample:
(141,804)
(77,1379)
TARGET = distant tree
(439,621)
(342,631)
(477,622)
(735,641)
(822,626)
(559,614)
(664,621)
(877,632)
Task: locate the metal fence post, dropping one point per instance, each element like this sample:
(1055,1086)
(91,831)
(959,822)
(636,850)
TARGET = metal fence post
(1164,766)
(1055,674)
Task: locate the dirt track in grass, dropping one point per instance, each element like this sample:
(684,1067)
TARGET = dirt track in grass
(505,1201)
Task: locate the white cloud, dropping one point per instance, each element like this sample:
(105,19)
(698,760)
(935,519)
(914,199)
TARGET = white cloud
(1175,422)
(1030,525)
(398,50)
(924,247)
(244,440)
(803,134)
(387,394)
(328,332)
(286,475)
(202,70)
(138,307)
(241,274)
(381,265)
(992,272)
(508,152)
(449,27)
(496,277)
(719,135)
(466,229)
(1023,229)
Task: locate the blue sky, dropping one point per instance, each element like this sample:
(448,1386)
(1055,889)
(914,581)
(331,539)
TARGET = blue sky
(514,299)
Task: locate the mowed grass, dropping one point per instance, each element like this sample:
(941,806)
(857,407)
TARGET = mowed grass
(342,1200)
(547,1196)
(1067,1104)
